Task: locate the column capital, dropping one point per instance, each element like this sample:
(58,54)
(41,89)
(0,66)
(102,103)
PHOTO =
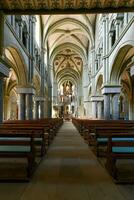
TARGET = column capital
(25,90)
(111,89)
(39,98)
(97,98)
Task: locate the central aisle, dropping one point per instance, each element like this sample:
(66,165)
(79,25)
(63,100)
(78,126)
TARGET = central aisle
(70,171)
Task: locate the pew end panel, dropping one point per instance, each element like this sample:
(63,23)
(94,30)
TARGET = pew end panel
(120,149)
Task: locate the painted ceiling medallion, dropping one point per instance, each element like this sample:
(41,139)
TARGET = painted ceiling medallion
(68,59)
(63,5)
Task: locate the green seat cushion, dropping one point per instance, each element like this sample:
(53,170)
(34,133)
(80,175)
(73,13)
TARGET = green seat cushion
(129,139)
(102,139)
(19,138)
(11,148)
(123,149)
(14,139)
(105,139)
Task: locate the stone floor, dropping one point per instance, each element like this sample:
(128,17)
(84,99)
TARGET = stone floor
(69,171)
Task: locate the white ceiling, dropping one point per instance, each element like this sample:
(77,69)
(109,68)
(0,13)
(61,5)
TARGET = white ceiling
(68,37)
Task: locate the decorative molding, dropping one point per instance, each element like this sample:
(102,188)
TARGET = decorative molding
(25,90)
(66,6)
(111,89)
(39,99)
(97,98)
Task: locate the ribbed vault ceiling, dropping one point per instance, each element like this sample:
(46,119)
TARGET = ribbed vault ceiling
(69,37)
(62,6)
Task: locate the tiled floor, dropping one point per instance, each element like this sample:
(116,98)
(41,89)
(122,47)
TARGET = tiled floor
(69,171)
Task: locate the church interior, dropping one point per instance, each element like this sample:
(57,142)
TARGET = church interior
(66,99)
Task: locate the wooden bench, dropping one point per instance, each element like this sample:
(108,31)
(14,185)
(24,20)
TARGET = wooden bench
(40,136)
(18,144)
(51,125)
(101,134)
(84,124)
(91,127)
(120,147)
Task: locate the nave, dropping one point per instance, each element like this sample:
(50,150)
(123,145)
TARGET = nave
(69,171)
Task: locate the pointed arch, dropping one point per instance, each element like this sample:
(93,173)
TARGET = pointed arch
(17,62)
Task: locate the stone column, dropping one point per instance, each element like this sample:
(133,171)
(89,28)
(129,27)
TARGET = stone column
(104,35)
(107,106)
(29,106)
(4,71)
(105,48)
(107,91)
(32,21)
(115,104)
(42,108)
(37,103)
(22,106)
(94,109)
(99,110)
(1,98)
(125,19)
(27,99)
(117,29)
(97,106)
(1,33)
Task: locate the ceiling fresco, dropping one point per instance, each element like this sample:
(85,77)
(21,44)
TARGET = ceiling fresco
(68,60)
(62,6)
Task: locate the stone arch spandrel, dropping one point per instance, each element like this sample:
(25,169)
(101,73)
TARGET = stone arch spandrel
(123,54)
(18,64)
(99,84)
(37,84)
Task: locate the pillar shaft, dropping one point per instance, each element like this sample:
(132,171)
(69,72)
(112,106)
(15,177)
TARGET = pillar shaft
(1,33)
(99,107)
(94,109)
(106,106)
(116,106)
(37,103)
(1,99)
(29,106)
(42,106)
(22,106)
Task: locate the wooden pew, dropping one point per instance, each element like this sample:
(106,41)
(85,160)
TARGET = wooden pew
(100,138)
(19,144)
(120,147)
(51,125)
(84,124)
(40,139)
(48,131)
(16,137)
(91,125)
